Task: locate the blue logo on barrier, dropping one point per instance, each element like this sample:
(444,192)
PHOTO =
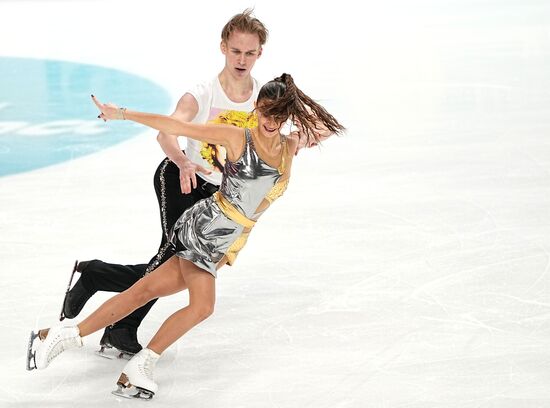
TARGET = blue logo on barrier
(47,116)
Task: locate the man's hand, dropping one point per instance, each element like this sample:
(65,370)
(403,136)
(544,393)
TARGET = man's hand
(188,178)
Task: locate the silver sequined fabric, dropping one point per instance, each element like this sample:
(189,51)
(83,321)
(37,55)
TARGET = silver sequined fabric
(203,231)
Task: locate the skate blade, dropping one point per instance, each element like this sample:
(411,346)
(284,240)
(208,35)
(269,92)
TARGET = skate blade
(113,354)
(30,353)
(132,392)
(62,314)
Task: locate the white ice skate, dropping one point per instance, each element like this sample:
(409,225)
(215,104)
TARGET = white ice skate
(57,340)
(136,380)
(41,336)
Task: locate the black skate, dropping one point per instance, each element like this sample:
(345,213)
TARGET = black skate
(75,297)
(122,339)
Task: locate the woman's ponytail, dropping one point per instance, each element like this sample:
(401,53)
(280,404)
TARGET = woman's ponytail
(283,100)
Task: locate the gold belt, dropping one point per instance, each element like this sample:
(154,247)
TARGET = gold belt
(231,212)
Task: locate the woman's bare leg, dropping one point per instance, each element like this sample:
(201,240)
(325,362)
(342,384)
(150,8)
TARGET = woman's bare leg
(163,281)
(202,296)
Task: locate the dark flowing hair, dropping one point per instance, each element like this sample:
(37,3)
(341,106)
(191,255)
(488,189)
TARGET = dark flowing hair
(282,99)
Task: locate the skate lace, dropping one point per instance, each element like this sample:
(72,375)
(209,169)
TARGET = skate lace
(58,346)
(147,367)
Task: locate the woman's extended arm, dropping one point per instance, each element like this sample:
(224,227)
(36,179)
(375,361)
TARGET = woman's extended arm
(216,134)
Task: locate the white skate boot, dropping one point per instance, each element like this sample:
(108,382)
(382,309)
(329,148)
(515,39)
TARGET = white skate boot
(136,380)
(57,340)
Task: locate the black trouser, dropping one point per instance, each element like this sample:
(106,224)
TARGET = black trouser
(102,276)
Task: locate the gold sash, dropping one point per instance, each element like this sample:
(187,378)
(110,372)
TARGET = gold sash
(231,212)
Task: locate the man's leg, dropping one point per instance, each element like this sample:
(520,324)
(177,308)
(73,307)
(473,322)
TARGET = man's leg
(96,276)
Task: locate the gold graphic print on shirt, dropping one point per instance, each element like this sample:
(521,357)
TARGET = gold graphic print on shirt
(215,154)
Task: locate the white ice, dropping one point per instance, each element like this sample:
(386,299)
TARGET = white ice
(407,264)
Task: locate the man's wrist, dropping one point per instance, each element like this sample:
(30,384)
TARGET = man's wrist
(181,160)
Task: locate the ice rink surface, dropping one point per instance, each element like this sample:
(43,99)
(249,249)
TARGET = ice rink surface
(407,265)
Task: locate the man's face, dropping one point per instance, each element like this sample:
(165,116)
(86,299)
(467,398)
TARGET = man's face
(241,51)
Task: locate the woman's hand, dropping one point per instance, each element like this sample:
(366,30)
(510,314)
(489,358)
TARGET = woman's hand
(109,111)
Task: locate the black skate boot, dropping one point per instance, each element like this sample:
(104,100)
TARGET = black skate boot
(123,339)
(77,296)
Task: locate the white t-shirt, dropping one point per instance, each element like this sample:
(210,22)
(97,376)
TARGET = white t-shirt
(216,107)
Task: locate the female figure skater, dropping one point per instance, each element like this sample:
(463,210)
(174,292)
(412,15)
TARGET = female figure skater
(207,235)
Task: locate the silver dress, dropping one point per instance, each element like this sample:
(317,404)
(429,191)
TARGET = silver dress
(219,225)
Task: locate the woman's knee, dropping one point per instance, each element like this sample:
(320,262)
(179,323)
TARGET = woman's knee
(203,310)
(202,289)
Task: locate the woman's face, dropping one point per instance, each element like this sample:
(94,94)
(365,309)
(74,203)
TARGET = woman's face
(268,125)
